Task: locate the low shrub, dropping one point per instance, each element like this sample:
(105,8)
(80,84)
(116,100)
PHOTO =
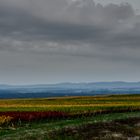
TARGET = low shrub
(5,120)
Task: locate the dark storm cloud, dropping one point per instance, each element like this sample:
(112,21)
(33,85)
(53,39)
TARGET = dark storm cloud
(68,27)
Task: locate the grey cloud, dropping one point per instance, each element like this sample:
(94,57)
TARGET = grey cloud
(80,27)
(43,41)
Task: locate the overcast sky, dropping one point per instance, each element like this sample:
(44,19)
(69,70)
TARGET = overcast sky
(52,41)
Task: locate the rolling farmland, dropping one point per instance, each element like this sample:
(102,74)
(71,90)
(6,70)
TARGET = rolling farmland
(61,112)
(73,104)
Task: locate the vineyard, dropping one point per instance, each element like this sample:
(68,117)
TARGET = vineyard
(73,104)
(64,107)
(17,113)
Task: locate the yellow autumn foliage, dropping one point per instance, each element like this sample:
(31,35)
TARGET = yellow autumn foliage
(5,119)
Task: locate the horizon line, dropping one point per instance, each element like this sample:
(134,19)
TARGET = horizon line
(33,84)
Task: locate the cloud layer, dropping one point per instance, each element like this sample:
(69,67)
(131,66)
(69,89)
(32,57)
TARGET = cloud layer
(79,28)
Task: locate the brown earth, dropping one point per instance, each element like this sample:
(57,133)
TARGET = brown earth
(116,130)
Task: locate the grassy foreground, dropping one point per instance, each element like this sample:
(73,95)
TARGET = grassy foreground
(72,129)
(70,118)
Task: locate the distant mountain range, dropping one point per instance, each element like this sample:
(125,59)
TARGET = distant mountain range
(68,89)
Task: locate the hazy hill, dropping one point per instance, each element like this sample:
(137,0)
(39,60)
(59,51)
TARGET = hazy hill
(68,89)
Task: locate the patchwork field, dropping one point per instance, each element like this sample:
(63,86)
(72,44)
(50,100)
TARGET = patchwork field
(73,104)
(47,115)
